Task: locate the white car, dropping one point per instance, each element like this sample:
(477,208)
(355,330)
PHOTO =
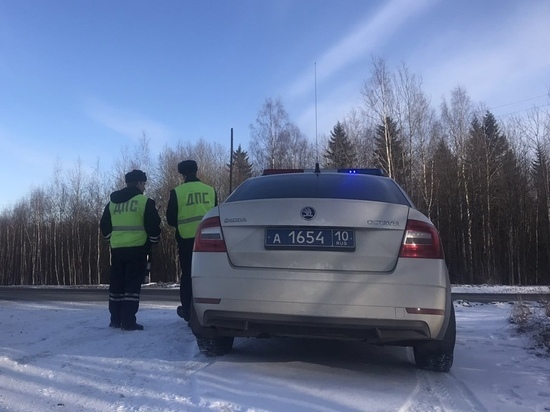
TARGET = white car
(339,254)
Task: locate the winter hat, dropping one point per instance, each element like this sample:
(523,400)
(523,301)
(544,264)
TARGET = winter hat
(187,167)
(135,176)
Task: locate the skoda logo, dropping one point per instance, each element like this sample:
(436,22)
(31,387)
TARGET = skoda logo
(307,213)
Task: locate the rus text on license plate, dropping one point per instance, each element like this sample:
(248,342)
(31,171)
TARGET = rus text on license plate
(309,238)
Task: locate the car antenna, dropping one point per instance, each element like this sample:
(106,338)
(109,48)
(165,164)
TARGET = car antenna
(317,170)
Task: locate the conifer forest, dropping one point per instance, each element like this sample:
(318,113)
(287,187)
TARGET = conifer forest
(483,180)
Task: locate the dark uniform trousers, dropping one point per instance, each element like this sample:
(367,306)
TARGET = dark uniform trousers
(185,249)
(127,273)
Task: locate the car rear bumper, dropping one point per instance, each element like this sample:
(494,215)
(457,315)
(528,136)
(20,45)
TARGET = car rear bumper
(267,325)
(379,307)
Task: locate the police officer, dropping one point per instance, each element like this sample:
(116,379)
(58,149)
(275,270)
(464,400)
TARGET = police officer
(131,223)
(187,204)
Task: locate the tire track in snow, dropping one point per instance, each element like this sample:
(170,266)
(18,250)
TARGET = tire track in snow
(441,392)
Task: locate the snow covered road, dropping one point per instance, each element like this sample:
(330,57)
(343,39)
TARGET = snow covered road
(59,356)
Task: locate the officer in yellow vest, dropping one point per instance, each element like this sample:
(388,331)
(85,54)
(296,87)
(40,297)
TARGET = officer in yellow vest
(131,223)
(187,204)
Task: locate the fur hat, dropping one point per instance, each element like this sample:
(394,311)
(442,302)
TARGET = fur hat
(135,176)
(187,167)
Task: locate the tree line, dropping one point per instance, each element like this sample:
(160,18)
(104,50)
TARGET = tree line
(483,181)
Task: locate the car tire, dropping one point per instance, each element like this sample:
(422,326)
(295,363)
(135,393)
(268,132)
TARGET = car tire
(217,346)
(209,344)
(437,356)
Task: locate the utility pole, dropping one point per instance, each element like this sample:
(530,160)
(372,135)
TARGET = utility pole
(231,165)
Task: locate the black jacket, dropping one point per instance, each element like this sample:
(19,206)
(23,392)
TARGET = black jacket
(151,220)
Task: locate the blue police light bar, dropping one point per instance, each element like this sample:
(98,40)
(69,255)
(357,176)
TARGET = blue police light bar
(351,171)
(367,171)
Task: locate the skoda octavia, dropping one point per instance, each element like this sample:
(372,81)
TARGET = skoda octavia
(338,254)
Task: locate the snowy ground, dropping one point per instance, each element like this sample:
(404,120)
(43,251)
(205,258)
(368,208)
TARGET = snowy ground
(58,356)
(500,289)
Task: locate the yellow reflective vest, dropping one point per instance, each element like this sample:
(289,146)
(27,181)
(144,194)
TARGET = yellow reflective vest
(127,222)
(194,200)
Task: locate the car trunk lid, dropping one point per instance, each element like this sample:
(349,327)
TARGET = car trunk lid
(377,227)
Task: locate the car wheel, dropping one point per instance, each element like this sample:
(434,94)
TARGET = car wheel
(215,346)
(437,356)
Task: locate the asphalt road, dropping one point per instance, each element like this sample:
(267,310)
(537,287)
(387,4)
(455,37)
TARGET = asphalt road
(158,294)
(81,294)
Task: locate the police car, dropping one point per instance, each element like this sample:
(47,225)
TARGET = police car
(340,254)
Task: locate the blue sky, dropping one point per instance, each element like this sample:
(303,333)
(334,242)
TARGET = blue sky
(84,79)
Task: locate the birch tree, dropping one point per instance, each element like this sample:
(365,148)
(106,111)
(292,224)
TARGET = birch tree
(269,136)
(456,118)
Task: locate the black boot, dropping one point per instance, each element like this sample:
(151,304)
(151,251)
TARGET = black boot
(182,313)
(135,326)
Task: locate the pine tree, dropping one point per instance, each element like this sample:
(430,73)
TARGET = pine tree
(340,153)
(487,149)
(242,169)
(540,172)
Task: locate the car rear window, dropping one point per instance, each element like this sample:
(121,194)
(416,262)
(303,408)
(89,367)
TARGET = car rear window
(321,185)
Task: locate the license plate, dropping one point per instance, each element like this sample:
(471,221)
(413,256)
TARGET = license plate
(310,239)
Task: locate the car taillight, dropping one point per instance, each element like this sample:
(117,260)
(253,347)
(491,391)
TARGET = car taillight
(421,240)
(209,236)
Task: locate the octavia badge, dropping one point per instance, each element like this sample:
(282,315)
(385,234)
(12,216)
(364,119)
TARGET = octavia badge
(307,213)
